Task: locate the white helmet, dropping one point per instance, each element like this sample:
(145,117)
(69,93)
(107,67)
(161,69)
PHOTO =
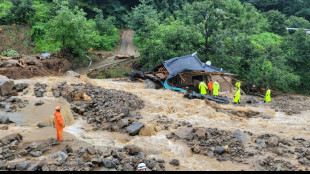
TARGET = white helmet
(141,166)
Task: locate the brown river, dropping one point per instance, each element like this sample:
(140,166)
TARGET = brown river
(158,103)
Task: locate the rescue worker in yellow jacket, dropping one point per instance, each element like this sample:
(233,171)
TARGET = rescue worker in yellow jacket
(203,88)
(238,85)
(216,88)
(268,96)
(237,96)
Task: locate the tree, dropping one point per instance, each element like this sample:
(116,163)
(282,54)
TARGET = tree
(277,22)
(22,11)
(168,41)
(72,30)
(5,10)
(297,22)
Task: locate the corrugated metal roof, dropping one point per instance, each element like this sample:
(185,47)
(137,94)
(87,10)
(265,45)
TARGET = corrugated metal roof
(190,62)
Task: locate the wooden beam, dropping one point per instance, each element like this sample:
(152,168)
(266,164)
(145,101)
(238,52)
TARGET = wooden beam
(182,78)
(228,82)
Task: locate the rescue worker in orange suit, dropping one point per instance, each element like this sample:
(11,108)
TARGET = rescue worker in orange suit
(210,87)
(59,124)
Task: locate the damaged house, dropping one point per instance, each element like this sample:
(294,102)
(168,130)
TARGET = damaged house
(185,73)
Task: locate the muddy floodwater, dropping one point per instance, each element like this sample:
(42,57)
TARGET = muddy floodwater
(159,103)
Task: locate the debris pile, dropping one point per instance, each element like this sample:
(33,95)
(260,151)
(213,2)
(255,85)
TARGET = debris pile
(105,109)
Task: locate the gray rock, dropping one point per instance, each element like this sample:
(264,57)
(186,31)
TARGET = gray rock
(183,133)
(132,149)
(150,84)
(73,74)
(62,156)
(219,150)
(3,164)
(23,165)
(125,111)
(273,141)
(5,120)
(38,103)
(109,164)
(174,162)
(261,143)
(6,85)
(151,165)
(36,153)
(91,150)
(5,128)
(96,161)
(128,167)
(265,116)
(122,123)
(201,133)
(238,134)
(41,125)
(135,128)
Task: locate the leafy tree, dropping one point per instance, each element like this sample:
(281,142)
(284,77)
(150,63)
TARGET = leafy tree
(168,41)
(71,29)
(22,11)
(277,22)
(139,16)
(5,10)
(297,22)
(298,46)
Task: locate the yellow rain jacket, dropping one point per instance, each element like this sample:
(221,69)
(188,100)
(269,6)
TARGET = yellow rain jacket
(203,88)
(268,97)
(216,88)
(237,96)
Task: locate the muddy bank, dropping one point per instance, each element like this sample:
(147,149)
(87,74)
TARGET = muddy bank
(28,67)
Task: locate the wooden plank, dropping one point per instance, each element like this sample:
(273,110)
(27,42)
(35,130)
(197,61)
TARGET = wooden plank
(228,82)
(182,78)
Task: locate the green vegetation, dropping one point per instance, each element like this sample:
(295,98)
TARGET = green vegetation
(245,37)
(10,53)
(114,72)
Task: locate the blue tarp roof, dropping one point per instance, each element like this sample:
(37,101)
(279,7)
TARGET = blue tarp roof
(190,62)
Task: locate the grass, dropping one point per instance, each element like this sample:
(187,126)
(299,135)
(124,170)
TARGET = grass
(115,72)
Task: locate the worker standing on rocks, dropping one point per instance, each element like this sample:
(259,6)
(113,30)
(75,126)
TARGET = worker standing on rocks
(237,96)
(203,88)
(268,96)
(216,88)
(59,124)
(210,87)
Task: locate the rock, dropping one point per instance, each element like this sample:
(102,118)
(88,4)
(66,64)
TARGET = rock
(5,120)
(265,116)
(41,125)
(96,161)
(45,168)
(135,128)
(68,149)
(20,87)
(23,165)
(125,111)
(174,162)
(151,165)
(36,154)
(115,128)
(238,134)
(201,133)
(183,133)
(5,128)
(219,150)
(128,167)
(197,149)
(220,158)
(122,123)
(150,84)
(273,141)
(261,143)
(109,164)
(132,149)
(3,164)
(62,156)
(91,150)
(6,85)
(38,103)
(73,74)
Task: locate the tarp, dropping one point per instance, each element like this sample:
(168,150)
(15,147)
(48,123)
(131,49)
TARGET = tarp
(190,62)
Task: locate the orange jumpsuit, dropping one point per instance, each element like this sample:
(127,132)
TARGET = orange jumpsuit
(59,125)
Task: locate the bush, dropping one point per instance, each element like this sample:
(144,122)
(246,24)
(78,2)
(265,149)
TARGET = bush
(10,53)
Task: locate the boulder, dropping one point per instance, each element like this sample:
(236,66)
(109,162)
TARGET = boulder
(73,74)
(197,149)
(135,128)
(36,153)
(41,125)
(5,120)
(23,165)
(273,141)
(109,164)
(132,149)
(6,85)
(5,128)
(261,142)
(201,133)
(219,150)
(184,132)
(265,116)
(238,134)
(150,84)
(174,162)
(128,167)
(122,123)
(38,103)
(91,150)
(151,165)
